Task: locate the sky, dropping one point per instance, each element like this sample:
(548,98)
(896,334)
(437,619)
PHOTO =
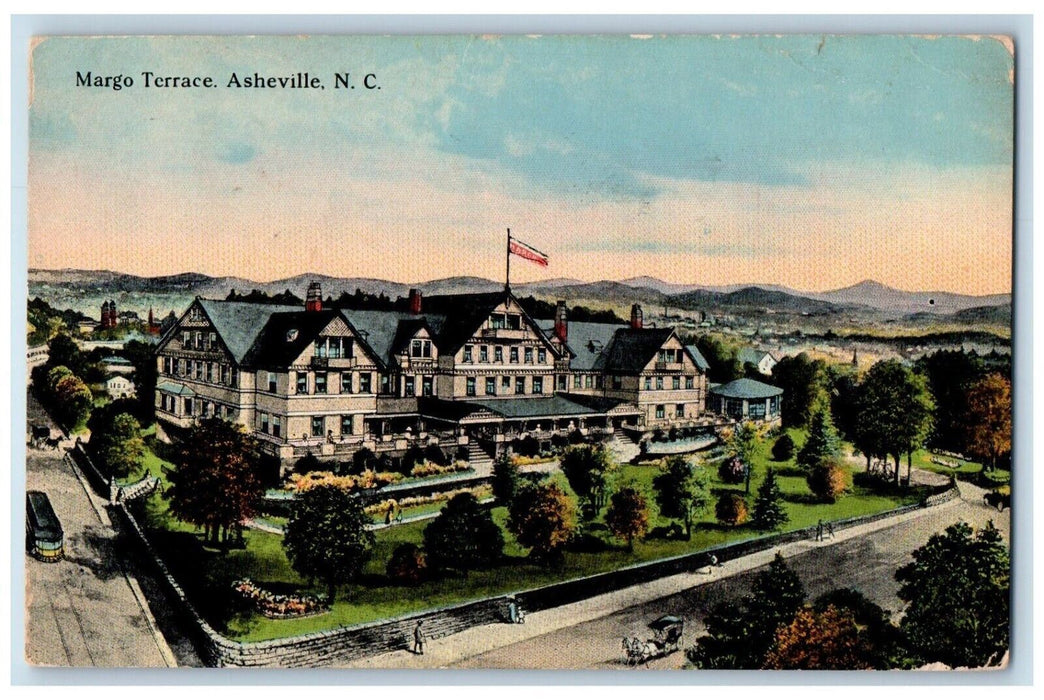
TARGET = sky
(809,161)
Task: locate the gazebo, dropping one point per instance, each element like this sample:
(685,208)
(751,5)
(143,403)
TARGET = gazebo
(746,399)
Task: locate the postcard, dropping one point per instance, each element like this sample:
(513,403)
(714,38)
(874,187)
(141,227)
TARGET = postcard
(591,352)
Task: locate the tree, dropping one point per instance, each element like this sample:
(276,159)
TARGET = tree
(143,357)
(216,482)
(742,444)
(682,491)
(463,536)
(769,513)
(958,590)
(326,536)
(827,480)
(588,468)
(63,350)
(628,515)
(740,634)
(363,459)
(803,381)
(822,443)
(722,358)
(72,401)
(951,374)
(783,449)
(505,479)
(542,518)
(731,509)
(827,640)
(732,470)
(118,445)
(894,412)
(989,418)
(408,565)
(881,640)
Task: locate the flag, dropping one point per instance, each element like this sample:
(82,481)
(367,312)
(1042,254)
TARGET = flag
(522,250)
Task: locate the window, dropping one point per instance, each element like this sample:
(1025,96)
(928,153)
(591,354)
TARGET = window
(420,348)
(385,384)
(689,382)
(659,383)
(514,322)
(561,379)
(659,411)
(186,338)
(577,381)
(497,321)
(538,385)
(181,368)
(199,340)
(427,386)
(276,426)
(210,371)
(679,410)
(264,422)
(188,407)
(484,353)
(320,348)
(226,375)
(505,383)
(408,386)
(498,354)
(168,365)
(317,426)
(520,385)
(346,382)
(648,383)
(302,382)
(212,341)
(514,355)
(491,386)
(235,377)
(589,382)
(676,382)
(229,413)
(756,410)
(197,369)
(600,381)
(617,382)
(365,380)
(346,425)
(542,356)
(528,357)
(272,382)
(320,382)
(470,386)
(468,357)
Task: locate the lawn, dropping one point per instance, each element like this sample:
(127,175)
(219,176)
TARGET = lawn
(968,471)
(207,574)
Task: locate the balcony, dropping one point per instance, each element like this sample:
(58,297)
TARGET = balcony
(669,366)
(320,362)
(506,333)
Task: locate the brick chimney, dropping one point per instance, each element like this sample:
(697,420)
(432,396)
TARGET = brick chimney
(561,322)
(415,302)
(314,297)
(636,316)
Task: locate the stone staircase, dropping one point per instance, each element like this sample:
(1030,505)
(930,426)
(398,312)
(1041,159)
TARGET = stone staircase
(624,446)
(479,459)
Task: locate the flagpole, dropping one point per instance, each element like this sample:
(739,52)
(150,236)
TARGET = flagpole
(507,274)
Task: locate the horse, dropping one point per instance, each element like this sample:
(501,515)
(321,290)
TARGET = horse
(999,501)
(638,651)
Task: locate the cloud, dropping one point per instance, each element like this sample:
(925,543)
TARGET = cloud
(236,153)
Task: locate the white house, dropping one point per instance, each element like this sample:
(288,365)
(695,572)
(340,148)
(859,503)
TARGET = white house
(119,387)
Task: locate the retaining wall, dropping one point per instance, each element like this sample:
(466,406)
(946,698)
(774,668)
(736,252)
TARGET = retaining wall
(336,646)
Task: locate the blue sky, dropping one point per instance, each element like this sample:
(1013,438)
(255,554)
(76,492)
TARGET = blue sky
(687,158)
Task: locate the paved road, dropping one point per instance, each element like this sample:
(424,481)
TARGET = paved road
(587,634)
(89,609)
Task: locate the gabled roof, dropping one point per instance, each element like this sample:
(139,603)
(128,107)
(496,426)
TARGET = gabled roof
(587,341)
(285,336)
(238,322)
(387,331)
(463,314)
(752,355)
(701,361)
(746,389)
(633,348)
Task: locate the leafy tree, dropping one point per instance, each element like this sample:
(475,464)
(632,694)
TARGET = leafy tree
(326,536)
(742,444)
(882,641)
(722,358)
(827,480)
(783,449)
(363,459)
(505,479)
(215,481)
(72,401)
(822,443)
(628,515)
(895,412)
(63,350)
(56,374)
(731,509)
(827,640)
(143,357)
(463,536)
(769,513)
(682,491)
(958,590)
(732,470)
(989,418)
(408,565)
(308,463)
(740,634)
(803,381)
(843,388)
(589,470)
(542,518)
(950,374)
(118,444)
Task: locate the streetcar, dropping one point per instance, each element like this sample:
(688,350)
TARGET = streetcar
(44,538)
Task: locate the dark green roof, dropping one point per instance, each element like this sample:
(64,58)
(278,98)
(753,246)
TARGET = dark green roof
(701,361)
(746,389)
(535,407)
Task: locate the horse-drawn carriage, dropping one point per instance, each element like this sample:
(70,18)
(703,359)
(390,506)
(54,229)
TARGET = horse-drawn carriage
(667,634)
(997,499)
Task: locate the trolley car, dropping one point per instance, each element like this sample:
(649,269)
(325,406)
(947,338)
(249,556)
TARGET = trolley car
(44,538)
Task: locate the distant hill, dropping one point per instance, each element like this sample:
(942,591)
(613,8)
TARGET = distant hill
(880,296)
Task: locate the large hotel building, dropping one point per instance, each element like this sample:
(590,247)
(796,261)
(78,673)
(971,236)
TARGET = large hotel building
(468,371)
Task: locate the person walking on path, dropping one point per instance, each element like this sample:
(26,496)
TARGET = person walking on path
(418,639)
(830,529)
(819,531)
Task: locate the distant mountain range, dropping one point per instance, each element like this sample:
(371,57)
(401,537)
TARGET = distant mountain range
(867,296)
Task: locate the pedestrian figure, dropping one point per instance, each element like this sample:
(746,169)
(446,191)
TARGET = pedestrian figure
(513,611)
(388,517)
(418,639)
(398,515)
(830,530)
(819,531)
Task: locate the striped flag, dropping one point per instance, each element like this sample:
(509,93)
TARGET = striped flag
(517,247)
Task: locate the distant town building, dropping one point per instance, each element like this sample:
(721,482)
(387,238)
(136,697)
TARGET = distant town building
(746,399)
(109,316)
(764,361)
(87,326)
(114,364)
(119,387)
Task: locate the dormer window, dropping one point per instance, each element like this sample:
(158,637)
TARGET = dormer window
(497,321)
(420,348)
(291,335)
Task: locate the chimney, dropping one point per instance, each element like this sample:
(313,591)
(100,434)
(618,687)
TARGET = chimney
(415,302)
(314,297)
(561,322)
(636,316)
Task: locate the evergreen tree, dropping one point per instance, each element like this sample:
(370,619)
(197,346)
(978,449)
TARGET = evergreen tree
(463,536)
(589,470)
(682,491)
(783,449)
(769,513)
(505,479)
(822,443)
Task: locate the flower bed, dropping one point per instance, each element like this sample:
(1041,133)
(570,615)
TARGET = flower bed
(366,480)
(426,468)
(479,492)
(280,607)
